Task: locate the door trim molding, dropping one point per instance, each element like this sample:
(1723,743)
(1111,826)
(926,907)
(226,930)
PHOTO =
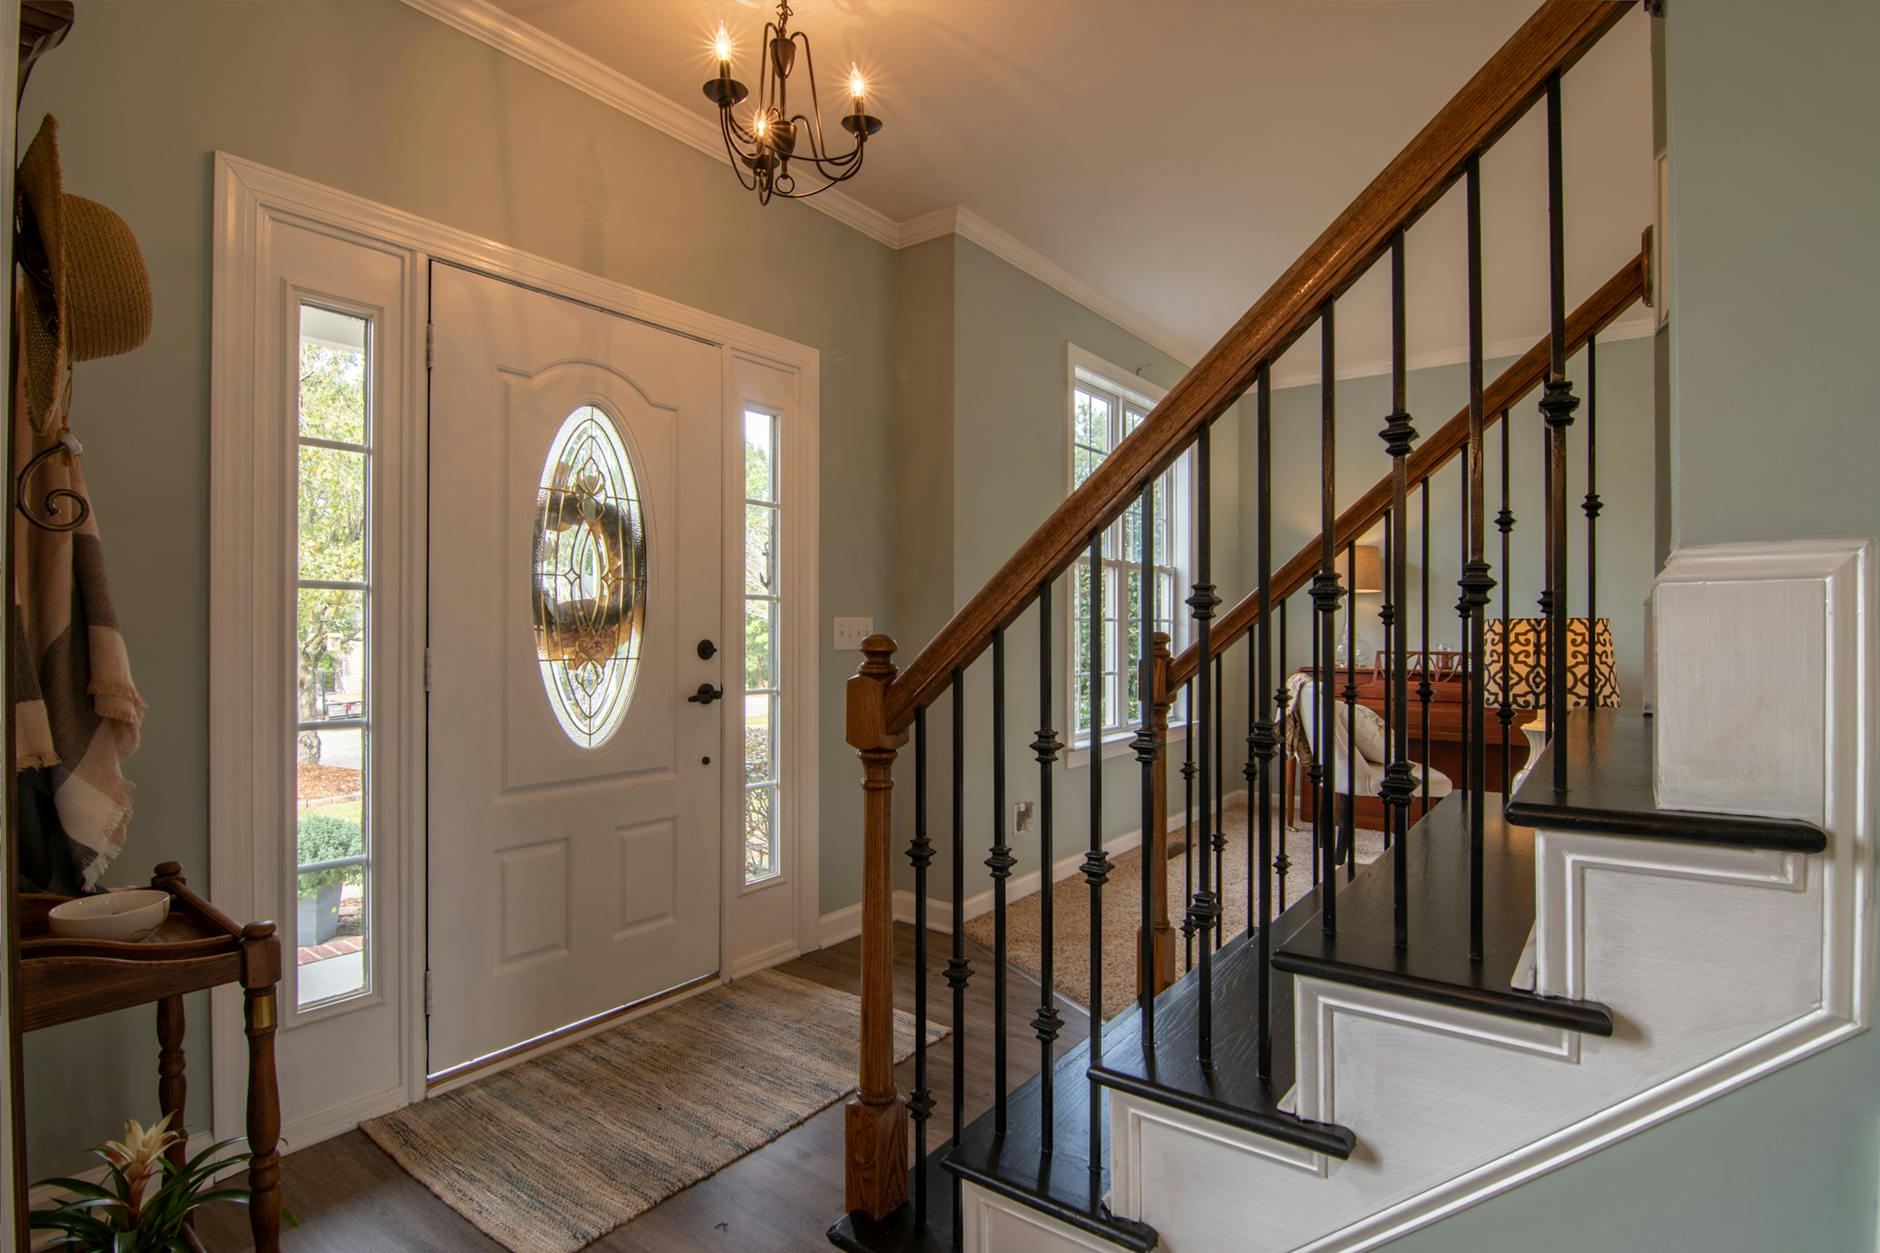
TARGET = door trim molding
(248,198)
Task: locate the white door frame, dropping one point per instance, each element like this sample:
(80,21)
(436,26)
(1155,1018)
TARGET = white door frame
(250,199)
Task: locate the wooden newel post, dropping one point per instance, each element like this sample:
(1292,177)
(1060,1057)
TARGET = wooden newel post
(1158,833)
(875,1176)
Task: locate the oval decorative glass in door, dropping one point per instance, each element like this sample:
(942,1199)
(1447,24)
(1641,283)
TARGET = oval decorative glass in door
(589,577)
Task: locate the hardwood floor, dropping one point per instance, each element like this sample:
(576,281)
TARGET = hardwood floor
(351,1197)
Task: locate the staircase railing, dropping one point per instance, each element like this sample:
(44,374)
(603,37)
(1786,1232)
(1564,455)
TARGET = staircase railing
(886,705)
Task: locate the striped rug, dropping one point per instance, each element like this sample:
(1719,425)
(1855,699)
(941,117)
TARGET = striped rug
(554,1153)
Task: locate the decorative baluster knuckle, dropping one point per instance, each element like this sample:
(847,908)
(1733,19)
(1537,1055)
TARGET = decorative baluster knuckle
(1476,584)
(1504,520)
(1001,861)
(1203,601)
(1047,1024)
(1558,403)
(1046,746)
(1328,592)
(1399,435)
(1592,505)
(959,973)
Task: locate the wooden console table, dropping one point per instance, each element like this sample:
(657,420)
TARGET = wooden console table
(1447,707)
(198,948)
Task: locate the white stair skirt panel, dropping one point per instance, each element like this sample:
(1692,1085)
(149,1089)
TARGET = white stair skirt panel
(1719,964)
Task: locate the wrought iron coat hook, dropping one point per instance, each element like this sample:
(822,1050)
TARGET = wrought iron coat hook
(68,444)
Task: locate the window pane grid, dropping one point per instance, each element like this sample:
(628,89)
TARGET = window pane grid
(1100,420)
(332,728)
(762,678)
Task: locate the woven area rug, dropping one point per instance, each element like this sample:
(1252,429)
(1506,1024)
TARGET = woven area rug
(1122,911)
(552,1154)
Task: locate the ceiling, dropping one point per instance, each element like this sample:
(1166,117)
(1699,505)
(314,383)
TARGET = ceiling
(1176,156)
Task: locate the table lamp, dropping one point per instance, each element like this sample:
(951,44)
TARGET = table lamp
(1518,646)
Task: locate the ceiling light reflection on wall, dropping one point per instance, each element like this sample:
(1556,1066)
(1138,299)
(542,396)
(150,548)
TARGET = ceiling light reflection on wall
(763,150)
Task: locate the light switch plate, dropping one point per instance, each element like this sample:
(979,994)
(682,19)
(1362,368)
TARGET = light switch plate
(850,632)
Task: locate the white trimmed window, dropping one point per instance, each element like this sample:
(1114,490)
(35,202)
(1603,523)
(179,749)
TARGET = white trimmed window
(333,610)
(763,618)
(1106,403)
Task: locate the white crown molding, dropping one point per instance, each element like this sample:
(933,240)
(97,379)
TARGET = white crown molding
(484,22)
(502,31)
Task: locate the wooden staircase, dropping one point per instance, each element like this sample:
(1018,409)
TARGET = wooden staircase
(1435,1026)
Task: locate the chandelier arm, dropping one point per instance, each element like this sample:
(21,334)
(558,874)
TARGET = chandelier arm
(829,181)
(815,95)
(732,151)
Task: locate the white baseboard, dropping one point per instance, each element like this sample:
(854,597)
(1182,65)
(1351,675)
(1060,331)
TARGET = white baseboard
(763,959)
(846,924)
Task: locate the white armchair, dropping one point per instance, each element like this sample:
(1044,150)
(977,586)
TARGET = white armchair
(1373,748)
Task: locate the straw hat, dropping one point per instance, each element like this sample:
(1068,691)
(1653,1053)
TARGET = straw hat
(86,292)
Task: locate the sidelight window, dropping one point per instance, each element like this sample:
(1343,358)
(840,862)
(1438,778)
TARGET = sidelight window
(333,623)
(762,686)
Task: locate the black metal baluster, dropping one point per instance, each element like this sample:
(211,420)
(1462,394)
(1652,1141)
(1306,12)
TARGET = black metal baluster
(1263,740)
(959,970)
(1326,594)
(1188,826)
(1219,838)
(1425,690)
(1399,437)
(1146,752)
(1048,1022)
(920,854)
(1504,522)
(1000,863)
(1592,504)
(1387,618)
(1348,829)
(1315,772)
(1464,787)
(1201,602)
(1250,773)
(1282,700)
(1476,581)
(1097,860)
(1557,407)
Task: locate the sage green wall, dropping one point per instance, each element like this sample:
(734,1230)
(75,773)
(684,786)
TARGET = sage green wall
(1006,469)
(1774,199)
(1625,479)
(372,97)
(1774,196)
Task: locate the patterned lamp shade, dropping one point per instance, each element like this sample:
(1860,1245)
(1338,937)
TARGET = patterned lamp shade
(1591,669)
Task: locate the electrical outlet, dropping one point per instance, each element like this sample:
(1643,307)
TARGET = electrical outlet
(850,632)
(1021,815)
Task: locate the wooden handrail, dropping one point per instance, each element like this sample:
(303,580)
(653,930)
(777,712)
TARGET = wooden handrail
(1555,36)
(1614,297)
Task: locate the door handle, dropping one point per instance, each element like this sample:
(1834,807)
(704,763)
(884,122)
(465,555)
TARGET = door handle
(706,694)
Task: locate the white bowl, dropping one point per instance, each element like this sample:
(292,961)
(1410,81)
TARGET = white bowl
(127,914)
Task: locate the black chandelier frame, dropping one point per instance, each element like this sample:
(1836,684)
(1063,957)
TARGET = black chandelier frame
(761,152)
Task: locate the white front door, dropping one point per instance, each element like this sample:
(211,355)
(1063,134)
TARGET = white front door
(576,513)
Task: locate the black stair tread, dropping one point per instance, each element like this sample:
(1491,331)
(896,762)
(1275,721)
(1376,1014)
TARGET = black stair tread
(1609,790)
(897,1233)
(1059,1185)
(1435,964)
(1230,1091)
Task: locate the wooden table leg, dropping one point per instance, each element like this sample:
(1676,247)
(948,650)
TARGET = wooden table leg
(172,1085)
(261,971)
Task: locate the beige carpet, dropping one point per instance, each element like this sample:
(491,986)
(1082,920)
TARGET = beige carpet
(1122,911)
(552,1154)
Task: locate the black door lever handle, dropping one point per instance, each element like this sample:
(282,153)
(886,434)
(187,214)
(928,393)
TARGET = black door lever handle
(706,694)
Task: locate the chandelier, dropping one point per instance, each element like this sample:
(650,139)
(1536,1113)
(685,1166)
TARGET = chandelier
(762,149)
